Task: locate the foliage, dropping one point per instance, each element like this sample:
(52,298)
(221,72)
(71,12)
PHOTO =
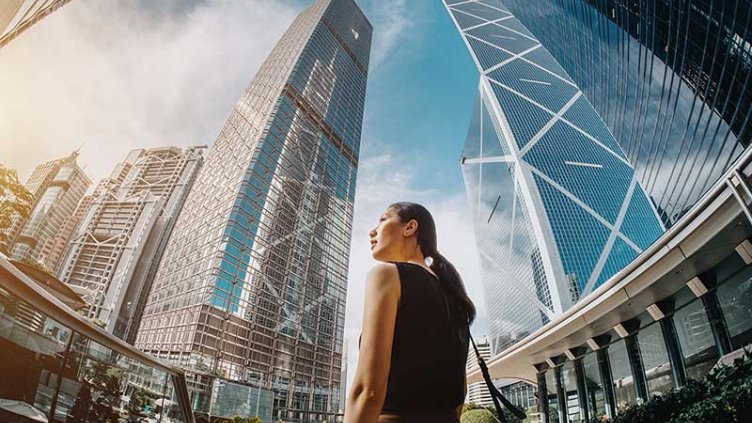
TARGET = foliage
(82,406)
(136,405)
(531,415)
(239,419)
(471,406)
(724,396)
(99,395)
(15,200)
(478,415)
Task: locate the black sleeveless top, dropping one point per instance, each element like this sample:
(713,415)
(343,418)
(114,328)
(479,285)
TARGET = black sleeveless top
(430,347)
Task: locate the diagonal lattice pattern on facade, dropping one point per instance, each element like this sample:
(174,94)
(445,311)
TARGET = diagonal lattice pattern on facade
(252,285)
(557,207)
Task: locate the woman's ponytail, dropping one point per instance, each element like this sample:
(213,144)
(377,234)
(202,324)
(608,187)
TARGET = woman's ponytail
(450,279)
(452,284)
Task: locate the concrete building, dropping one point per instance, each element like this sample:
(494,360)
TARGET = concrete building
(117,246)
(57,186)
(253,281)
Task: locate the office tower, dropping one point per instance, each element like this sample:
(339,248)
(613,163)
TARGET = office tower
(65,235)
(39,180)
(672,81)
(557,207)
(343,379)
(57,187)
(253,279)
(118,244)
(478,393)
(17,16)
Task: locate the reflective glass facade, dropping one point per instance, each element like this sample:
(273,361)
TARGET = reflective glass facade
(558,209)
(69,371)
(252,284)
(58,187)
(670,79)
(654,356)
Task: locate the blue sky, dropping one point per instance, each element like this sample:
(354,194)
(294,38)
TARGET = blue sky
(117,75)
(420,103)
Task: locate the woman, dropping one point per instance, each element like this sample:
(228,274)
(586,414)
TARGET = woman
(414,342)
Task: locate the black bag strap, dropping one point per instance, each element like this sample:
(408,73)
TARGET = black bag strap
(496,396)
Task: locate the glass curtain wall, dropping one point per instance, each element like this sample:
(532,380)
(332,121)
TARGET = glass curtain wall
(735,297)
(655,360)
(621,373)
(596,397)
(696,339)
(70,378)
(552,398)
(569,382)
(730,281)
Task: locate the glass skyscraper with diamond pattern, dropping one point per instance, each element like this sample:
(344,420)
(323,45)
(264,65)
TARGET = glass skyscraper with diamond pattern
(252,284)
(557,206)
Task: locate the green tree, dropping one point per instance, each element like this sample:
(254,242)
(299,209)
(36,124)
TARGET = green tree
(82,407)
(15,200)
(136,406)
(471,406)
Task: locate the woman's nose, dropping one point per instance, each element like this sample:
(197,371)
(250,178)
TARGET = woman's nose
(372,233)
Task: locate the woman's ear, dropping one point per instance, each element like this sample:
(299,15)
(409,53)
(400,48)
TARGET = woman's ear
(410,228)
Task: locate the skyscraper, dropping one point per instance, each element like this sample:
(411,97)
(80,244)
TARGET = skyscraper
(672,81)
(17,16)
(477,393)
(114,253)
(253,279)
(558,209)
(57,187)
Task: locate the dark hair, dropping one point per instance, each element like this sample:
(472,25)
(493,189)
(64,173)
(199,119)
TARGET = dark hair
(448,275)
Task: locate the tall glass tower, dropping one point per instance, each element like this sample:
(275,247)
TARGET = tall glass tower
(252,284)
(558,209)
(672,81)
(57,187)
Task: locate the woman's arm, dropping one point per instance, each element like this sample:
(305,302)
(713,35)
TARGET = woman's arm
(366,396)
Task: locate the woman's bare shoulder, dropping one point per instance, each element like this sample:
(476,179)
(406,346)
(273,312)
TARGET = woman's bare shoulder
(384,275)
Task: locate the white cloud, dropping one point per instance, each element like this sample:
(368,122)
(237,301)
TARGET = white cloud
(118,75)
(393,21)
(383,180)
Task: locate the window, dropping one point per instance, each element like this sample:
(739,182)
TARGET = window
(655,360)
(553,404)
(569,382)
(594,385)
(735,297)
(696,339)
(621,374)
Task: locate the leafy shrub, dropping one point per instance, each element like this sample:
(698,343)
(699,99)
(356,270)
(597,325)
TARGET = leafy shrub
(478,415)
(725,395)
(509,417)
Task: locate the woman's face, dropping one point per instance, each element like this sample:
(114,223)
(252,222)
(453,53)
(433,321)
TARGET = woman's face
(388,238)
